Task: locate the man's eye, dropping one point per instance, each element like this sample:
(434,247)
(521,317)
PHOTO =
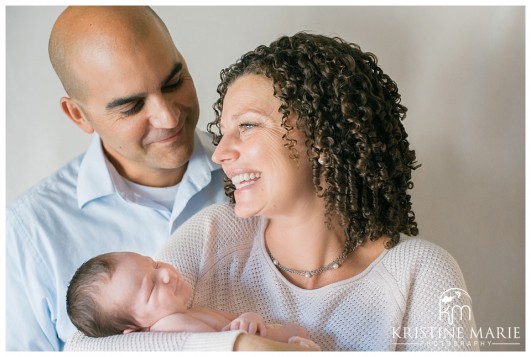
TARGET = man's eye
(172,86)
(135,109)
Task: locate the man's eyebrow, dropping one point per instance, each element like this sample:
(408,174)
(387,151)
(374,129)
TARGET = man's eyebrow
(122,101)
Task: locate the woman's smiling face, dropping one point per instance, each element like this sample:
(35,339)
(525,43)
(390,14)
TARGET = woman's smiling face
(254,155)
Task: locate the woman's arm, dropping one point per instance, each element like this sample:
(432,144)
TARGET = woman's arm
(182,341)
(155,341)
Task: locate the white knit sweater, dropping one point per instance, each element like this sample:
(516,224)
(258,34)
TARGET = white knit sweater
(399,302)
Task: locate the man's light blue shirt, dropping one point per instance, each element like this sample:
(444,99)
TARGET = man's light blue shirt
(83,210)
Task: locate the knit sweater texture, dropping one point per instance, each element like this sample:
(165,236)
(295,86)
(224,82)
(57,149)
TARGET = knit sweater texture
(405,299)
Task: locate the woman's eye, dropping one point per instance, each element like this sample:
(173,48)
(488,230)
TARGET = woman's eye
(246,126)
(135,109)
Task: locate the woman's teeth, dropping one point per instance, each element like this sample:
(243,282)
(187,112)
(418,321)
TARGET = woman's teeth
(246,179)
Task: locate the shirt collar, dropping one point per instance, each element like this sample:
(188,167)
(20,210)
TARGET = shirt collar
(198,174)
(98,178)
(94,179)
(200,161)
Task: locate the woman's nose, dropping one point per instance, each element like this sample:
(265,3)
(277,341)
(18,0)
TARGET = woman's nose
(226,150)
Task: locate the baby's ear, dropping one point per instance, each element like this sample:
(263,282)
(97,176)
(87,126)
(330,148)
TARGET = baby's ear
(129,330)
(135,329)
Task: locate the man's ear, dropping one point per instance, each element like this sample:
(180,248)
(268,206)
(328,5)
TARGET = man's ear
(74,112)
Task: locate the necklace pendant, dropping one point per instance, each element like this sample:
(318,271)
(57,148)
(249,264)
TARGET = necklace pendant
(335,266)
(308,275)
(275,262)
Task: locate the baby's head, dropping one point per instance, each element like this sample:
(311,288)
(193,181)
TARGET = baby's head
(122,292)
(83,298)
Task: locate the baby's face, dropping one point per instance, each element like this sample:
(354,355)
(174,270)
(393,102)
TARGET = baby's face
(150,290)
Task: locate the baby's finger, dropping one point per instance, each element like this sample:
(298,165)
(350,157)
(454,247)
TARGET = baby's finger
(252,328)
(235,325)
(262,328)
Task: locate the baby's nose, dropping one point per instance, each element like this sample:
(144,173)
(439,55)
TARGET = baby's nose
(164,276)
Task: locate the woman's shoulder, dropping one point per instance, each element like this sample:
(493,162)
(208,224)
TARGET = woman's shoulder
(418,249)
(419,257)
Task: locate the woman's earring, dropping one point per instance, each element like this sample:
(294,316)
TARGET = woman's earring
(320,159)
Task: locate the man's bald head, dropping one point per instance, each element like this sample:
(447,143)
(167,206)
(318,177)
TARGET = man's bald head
(81,31)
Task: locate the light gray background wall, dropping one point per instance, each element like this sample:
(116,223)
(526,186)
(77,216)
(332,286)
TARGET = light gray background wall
(461,74)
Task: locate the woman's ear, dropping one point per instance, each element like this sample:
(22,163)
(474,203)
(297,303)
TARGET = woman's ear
(74,112)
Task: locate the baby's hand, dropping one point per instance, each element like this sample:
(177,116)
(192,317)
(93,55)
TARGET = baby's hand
(250,322)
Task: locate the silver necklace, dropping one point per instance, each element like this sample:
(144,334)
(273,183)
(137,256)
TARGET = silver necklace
(334,264)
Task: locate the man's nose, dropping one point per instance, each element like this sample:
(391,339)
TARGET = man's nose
(163,114)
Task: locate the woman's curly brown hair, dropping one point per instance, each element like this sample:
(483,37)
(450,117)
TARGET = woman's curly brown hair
(350,113)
